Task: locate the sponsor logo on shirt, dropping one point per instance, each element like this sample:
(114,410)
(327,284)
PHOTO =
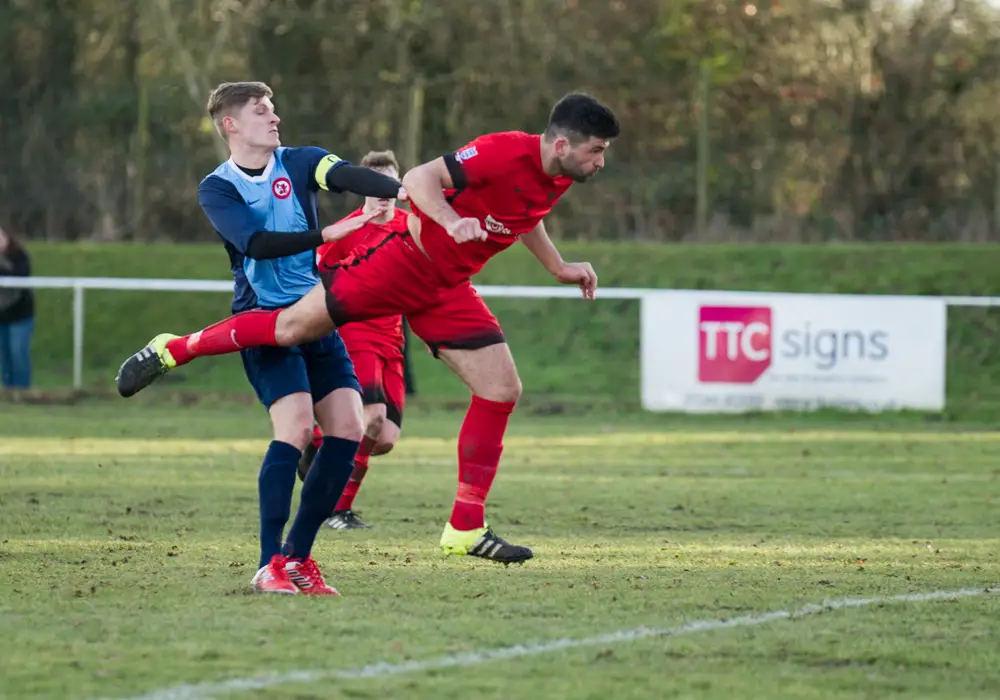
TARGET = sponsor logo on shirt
(494,226)
(466,153)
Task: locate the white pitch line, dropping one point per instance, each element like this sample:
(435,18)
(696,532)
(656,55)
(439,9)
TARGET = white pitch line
(206,691)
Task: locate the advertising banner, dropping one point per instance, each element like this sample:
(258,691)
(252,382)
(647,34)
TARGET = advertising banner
(740,351)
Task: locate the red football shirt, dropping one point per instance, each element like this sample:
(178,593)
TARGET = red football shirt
(381,335)
(505,187)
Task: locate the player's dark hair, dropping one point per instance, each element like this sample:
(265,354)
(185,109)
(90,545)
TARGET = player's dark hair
(579,116)
(380,160)
(228,98)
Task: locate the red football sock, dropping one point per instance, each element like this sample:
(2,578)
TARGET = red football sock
(480,443)
(317,438)
(358,475)
(244,330)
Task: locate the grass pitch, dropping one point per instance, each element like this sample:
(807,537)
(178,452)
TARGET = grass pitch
(128,539)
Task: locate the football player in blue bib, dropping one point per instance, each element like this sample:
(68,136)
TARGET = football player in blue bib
(262,202)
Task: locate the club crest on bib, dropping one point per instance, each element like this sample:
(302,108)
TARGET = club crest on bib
(282,187)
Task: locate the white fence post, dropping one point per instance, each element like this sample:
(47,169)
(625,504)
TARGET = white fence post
(77,336)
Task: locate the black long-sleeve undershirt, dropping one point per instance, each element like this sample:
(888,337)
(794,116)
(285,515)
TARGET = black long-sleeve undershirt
(268,245)
(363,181)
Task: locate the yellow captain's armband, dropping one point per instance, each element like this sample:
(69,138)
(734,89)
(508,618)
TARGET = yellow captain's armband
(324,167)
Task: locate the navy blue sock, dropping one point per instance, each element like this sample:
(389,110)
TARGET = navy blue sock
(274,488)
(323,486)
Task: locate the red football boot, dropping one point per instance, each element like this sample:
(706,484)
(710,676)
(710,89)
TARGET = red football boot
(273,578)
(305,574)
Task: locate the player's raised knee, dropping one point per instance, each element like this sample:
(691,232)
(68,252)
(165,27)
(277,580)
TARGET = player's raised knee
(296,328)
(305,320)
(289,330)
(374,423)
(382,448)
(507,390)
(506,383)
(515,390)
(387,437)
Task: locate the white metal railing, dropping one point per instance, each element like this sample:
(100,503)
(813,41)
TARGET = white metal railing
(140,284)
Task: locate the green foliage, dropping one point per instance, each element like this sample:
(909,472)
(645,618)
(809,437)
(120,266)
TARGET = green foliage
(826,121)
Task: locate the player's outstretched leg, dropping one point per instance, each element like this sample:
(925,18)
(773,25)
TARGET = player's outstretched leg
(489,371)
(146,366)
(305,320)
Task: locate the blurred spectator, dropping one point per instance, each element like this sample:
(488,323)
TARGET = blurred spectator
(17,315)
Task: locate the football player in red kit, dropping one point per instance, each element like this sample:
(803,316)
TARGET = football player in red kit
(467,206)
(375,347)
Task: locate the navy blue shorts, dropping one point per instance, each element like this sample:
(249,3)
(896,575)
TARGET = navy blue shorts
(317,368)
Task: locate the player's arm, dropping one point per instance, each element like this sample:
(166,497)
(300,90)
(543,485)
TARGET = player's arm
(541,246)
(425,185)
(335,175)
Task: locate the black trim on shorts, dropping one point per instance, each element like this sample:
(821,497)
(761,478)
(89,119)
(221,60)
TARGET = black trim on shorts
(371,395)
(480,341)
(394,413)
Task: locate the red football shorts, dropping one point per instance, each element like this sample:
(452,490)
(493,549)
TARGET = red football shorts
(397,278)
(381,381)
